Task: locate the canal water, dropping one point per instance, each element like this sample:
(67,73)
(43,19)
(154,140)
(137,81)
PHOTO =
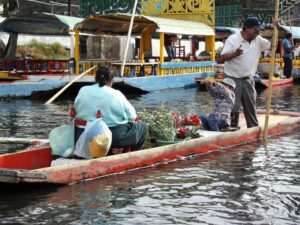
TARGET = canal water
(247,184)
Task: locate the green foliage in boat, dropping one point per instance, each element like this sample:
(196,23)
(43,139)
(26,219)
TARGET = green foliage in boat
(39,50)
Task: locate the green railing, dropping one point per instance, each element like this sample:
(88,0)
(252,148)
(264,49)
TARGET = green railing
(92,7)
(229,15)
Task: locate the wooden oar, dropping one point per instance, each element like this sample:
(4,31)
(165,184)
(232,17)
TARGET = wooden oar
(69,84)
(269,91)
(11,140)
(128,38)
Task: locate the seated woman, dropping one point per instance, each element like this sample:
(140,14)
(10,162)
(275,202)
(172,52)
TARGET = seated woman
(116,112)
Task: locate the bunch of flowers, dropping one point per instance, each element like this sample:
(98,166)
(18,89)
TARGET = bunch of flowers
(161,124)
(168,126)
(188,132)
(187,127)
(192,121)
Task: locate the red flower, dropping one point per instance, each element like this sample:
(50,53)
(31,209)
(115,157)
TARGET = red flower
(192,121)
(182,132)
(195,120)
(187,121)
(138,119)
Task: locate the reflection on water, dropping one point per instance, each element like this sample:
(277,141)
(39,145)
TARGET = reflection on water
(246,184)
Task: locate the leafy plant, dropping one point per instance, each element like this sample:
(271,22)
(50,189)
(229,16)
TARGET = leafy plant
(38,50)
(161,124)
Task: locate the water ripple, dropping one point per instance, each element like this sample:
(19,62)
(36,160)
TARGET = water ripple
(247,184)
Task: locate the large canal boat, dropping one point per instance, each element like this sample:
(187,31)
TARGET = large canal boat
(146,72)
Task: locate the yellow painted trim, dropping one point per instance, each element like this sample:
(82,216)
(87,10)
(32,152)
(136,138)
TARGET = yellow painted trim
(76,52)
(210,46)
(161,51)
(142,46)
(6,75)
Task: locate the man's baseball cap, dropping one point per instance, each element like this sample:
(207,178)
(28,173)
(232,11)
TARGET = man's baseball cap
(253,22)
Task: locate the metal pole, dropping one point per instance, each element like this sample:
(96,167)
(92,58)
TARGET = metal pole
(69,7)
(128,37)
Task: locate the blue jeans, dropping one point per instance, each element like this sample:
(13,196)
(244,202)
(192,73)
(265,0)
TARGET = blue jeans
(212,124)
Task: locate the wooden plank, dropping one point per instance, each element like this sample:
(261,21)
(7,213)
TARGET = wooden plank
(22,173)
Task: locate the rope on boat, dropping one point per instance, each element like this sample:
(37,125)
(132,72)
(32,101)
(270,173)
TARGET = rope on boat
(11,140)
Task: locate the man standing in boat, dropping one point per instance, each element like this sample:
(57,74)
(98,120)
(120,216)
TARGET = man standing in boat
(169,45)
(288,55)
(241,53)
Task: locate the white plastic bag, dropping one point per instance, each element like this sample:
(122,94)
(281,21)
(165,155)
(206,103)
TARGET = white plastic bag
(62,140)
(95,140)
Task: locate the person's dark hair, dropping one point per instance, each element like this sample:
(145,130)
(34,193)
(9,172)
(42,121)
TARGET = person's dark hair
(103,76)
(288,35)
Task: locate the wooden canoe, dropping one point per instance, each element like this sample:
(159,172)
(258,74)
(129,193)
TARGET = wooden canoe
(259,83)
(33,166)
(264,83)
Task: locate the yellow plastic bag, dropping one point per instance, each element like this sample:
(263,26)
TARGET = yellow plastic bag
(95,140)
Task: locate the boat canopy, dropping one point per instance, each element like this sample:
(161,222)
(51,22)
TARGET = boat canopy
(294,30)
(118,24)
(282,30)
(40,24)
(224,32)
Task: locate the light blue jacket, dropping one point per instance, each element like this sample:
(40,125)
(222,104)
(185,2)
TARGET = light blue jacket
(114,106)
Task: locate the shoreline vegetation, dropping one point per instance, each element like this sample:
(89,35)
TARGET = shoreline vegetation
(39,50)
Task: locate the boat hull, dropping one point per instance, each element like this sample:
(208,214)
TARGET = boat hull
(26,88)
(264,83)
(32,166)
(259,83)
(40,85)
(159,83)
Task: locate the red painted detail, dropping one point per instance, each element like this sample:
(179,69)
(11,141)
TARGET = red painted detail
(128,149)
(80,122)
(26,66)
(72,112)
(99,115)
(6,82)
(278,82)
(27,160)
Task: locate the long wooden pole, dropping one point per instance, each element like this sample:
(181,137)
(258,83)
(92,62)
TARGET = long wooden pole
(68,85)
(269,91)
(128,37)
(12,140)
